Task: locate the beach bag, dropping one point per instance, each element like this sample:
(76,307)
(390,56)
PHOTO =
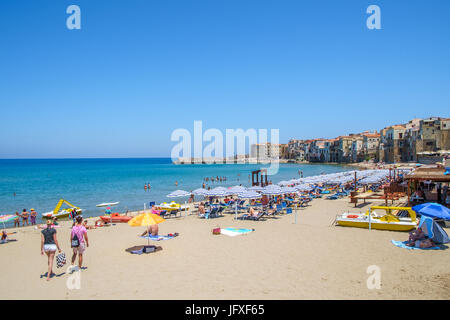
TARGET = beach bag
(60,259)
(75,241)
(216,231)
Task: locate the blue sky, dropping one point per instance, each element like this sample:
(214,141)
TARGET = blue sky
(139,69)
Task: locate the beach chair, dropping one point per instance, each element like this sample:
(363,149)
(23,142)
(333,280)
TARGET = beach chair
(163,213)
(257,218)
(210,214)
(288,210)
(279,209)
(174,213)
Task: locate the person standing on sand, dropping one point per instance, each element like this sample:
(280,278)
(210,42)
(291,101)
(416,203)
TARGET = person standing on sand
(79,241)
(33,215)
(17,220)
(49,244)
(24,217)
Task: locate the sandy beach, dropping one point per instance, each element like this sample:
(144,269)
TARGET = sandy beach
(312,259)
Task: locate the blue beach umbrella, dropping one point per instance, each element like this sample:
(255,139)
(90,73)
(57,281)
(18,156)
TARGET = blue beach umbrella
(433,210)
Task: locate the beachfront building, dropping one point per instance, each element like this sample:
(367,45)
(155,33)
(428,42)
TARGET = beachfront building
(370,145)
(357,152)
(394,143)
(268,151)
(344,151)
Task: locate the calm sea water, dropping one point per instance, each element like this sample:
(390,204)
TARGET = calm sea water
(39,184)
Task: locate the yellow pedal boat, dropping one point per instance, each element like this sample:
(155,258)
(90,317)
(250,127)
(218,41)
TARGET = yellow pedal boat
(372,218)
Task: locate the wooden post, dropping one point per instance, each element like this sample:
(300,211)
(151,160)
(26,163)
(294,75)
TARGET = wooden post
(408,192)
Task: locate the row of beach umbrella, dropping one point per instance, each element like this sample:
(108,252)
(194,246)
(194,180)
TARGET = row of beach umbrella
(291,186)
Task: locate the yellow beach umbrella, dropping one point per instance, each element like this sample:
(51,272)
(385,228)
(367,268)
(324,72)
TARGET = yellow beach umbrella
(145,220)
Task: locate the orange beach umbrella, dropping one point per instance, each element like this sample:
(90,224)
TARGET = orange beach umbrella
(145,220)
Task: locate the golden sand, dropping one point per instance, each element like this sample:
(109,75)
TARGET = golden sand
(312,259)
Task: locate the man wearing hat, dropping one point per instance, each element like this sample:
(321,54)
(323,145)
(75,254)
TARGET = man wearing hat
(33,215)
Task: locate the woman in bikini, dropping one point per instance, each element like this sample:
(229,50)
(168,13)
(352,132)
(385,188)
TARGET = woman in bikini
(24,217)
(17,220)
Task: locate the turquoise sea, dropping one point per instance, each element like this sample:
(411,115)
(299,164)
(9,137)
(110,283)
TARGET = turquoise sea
(40,183)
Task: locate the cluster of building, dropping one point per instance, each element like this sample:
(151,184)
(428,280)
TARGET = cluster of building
(419,140)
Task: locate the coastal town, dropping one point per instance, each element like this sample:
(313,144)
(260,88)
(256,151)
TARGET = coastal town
(424,141)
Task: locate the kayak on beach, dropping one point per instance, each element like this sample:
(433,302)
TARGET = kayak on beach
(115,217)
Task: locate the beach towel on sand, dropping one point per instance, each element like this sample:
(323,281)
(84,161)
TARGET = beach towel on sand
(232,232)
(403,245)
(143,249)
(159,237)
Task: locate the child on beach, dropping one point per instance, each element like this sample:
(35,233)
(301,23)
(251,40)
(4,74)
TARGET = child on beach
(4,238)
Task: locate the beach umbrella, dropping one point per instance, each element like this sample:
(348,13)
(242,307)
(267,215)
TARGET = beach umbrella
(288,190)
(145,220)
(199,192)
(433,210)
(272,190)
(236,189)
(217,192)
(256,188)
(249,195)
(6,218)
(178,193)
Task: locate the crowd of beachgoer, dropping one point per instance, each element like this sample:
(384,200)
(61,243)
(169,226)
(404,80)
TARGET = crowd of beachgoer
(27,218)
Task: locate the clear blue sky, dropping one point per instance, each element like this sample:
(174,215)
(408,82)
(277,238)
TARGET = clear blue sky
(139,69)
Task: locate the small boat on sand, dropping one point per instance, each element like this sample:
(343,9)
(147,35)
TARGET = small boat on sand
(388,221)
(115,218)
(63,213)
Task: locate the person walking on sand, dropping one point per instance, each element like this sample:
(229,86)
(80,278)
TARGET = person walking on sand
(49,244)
(79,241)
(24,217)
